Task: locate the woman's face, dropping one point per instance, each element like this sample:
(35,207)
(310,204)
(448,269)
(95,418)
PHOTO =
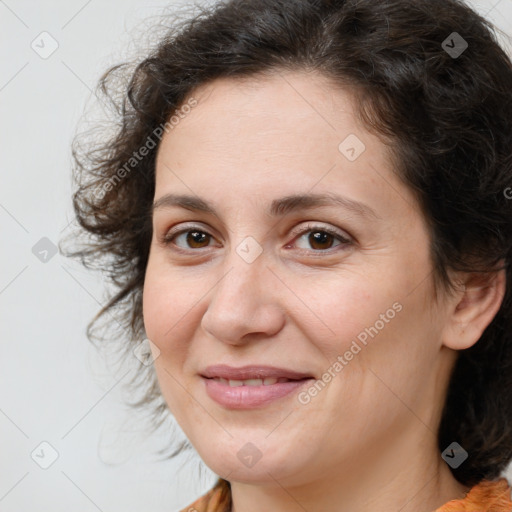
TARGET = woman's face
(339,291)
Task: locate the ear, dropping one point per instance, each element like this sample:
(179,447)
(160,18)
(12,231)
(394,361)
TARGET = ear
(473,308)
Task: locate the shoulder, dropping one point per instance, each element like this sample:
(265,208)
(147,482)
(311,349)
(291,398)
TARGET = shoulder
(217,499)
(486,496)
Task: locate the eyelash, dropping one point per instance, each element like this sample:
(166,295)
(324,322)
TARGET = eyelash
(168,238)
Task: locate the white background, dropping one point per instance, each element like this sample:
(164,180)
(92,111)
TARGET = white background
(54,387)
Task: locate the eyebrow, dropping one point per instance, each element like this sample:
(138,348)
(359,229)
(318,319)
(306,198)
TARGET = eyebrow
(278,207)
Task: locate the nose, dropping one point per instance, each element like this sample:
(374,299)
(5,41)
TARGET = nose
(244,304)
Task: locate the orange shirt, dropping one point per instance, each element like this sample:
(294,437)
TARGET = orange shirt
(487,496)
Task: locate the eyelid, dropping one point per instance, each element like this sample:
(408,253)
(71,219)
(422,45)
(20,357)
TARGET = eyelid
(185,226)
(316,226)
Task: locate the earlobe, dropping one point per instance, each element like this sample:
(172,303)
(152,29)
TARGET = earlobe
(474,308)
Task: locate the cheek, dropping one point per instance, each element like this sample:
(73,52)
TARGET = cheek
(372,323)
(168,320)
(153,306)
(167,309)
(335,309)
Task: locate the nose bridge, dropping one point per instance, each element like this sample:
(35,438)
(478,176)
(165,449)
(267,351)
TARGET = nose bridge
(246,268)
(241,302)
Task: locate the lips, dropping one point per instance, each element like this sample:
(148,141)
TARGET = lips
(252,372)
(250,387)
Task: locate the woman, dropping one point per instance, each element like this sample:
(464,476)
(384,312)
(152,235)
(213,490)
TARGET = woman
(306,206)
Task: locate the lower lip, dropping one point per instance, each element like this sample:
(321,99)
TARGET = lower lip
(248,397)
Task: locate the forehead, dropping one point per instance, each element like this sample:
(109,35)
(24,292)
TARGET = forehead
(281,131)
(299,106)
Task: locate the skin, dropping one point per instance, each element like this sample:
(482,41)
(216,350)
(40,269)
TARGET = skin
(368,440)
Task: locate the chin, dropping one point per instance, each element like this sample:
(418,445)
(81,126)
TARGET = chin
(245,462)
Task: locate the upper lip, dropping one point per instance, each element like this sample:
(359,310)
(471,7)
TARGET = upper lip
(251,372)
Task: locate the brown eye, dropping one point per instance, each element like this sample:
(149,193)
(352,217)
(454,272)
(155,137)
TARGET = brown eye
(320,238)
(191,239)
(196,239)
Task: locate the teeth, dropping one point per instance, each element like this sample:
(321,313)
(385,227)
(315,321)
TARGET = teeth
(268,381)
(253,382)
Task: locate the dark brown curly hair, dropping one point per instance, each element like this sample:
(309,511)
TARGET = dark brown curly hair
(444,108)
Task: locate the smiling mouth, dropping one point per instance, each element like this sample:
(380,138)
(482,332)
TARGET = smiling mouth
(251,375)
(251,393)
(251,386)
(268,381)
